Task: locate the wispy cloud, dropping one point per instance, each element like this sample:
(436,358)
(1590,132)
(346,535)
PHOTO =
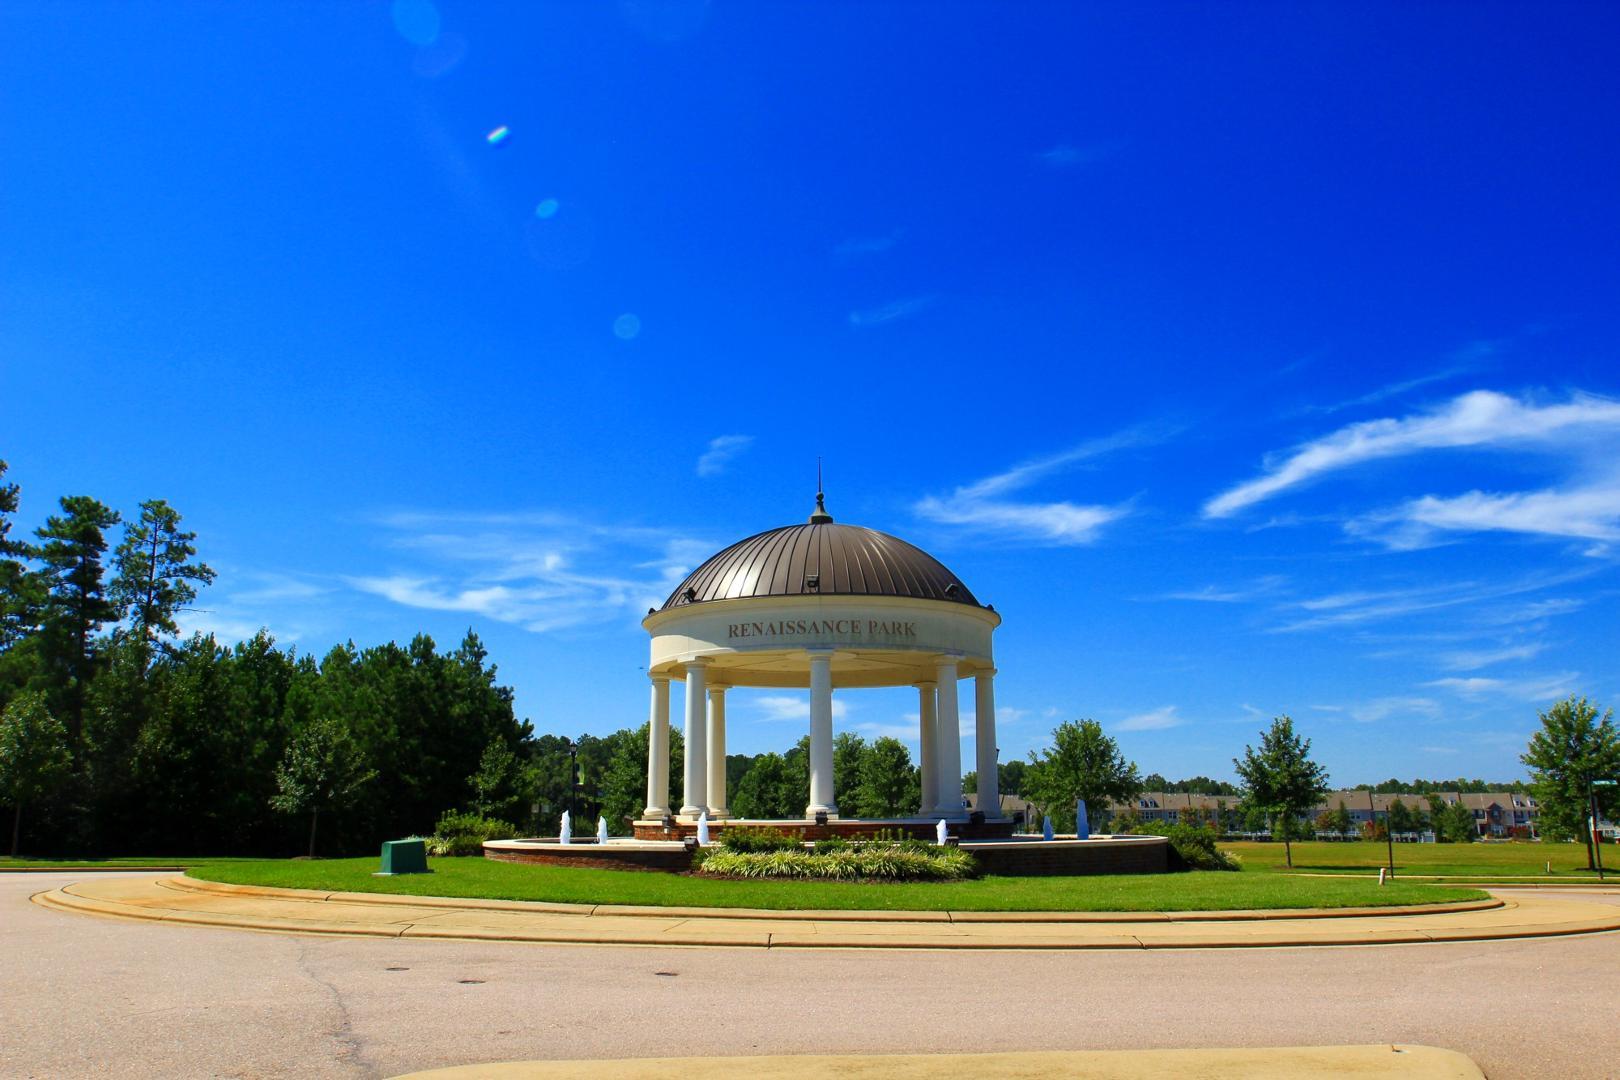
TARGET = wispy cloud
(1068,156)
(1583,513)
(1395,389)
(1383,708)
(1366,606)
(856,247)
(1474,659)
(541,571)
(1231,594)
(888,313)
(721,452)
(1478,418)
(778,708)
(981,506)
(1537,688)
(1156,720)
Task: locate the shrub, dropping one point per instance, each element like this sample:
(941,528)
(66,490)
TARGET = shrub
(464,834)
(743,841)
(864,862)
(830,844)
(1192,846)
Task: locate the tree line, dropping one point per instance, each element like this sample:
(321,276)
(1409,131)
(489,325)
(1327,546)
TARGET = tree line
(117,735)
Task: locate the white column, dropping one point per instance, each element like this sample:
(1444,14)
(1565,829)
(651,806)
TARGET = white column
(984,743)
(717,752)
(821,750)
(949,751)
(928,737)
(658,750)
(697,720)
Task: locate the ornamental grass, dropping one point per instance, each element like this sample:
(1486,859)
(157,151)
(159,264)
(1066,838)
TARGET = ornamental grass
(860,862)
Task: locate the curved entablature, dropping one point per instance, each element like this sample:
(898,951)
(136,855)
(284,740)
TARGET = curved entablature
(875,641)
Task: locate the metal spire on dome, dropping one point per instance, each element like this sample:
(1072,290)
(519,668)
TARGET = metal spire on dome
(820,517)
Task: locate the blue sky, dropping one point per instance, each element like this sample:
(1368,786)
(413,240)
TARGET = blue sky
(1249,359)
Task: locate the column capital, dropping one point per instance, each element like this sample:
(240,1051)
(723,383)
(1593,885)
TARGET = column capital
(819,654)
(718,689)
(659,676)
(921,683)
(984,673)
(695,661)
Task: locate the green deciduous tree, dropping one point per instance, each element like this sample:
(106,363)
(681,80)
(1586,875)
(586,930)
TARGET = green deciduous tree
(1574,747)
(849,750)
(155,575)
(1081,763)
(1282,779)
(1341,819)
(889,785)
(324,769)
(498,784)
(34,755)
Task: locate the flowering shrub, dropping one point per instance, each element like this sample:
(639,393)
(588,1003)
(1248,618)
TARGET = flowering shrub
(857,862)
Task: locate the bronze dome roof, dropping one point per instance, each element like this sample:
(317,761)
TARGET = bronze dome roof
(820,558)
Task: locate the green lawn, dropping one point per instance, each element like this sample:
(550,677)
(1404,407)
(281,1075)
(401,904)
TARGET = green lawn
(474,877)
(1496,860)
(23,863)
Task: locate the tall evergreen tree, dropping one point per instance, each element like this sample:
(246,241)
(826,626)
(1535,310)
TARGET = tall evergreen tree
(19,591)
(72,547)
(156,576)
(1281,779)
(1574,747)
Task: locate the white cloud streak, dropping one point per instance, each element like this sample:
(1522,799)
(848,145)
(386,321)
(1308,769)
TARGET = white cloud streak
(980,506)
(1586,513)
(887,313)
(1157,720)
(1478,418)
(1544,688)
(534,570)
(722,451)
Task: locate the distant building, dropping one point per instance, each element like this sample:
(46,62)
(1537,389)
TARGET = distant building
(1505,814)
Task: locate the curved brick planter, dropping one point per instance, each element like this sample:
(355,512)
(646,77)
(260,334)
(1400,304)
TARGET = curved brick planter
(1015,856)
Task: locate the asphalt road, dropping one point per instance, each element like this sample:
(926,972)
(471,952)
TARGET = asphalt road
(82,996)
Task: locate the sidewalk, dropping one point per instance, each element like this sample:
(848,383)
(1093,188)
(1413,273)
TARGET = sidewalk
(199,903)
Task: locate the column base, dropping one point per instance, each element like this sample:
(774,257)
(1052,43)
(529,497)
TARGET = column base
(812,810)
(654,813)
(693,812)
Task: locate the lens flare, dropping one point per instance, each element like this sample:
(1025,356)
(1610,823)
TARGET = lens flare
(626,326)
(498,136)
(547,208)
(417,21)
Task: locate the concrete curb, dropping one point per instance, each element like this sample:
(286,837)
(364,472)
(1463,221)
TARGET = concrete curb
(194,903)
(1383,1062)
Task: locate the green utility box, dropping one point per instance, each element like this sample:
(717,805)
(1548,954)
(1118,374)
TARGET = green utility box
(404,857)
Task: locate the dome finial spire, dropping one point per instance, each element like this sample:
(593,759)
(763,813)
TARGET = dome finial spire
(820,517)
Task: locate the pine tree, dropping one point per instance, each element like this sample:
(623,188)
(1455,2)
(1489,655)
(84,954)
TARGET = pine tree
(155,576)
(76,605)
(19,589)
(1282,779)
(1573,748)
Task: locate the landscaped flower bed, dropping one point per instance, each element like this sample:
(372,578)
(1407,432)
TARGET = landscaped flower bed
(751,853)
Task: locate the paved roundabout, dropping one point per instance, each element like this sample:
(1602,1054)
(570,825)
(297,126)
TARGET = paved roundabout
(118,997)
(182,900)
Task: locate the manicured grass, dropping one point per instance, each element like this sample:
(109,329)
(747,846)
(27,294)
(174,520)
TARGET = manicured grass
(24,863)
(474,877)
(1492,860)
